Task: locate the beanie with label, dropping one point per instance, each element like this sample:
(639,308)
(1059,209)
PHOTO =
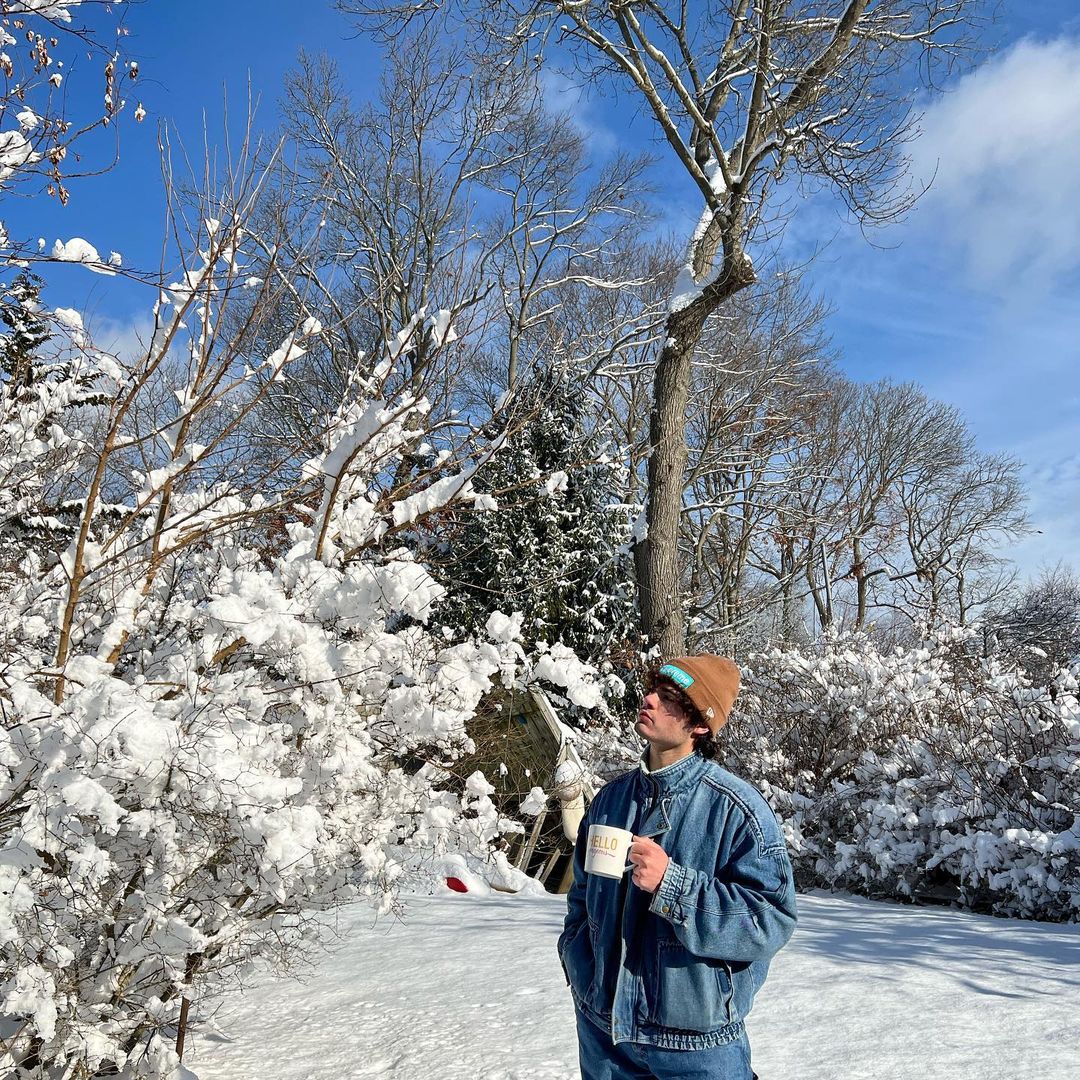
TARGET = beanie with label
(710,682)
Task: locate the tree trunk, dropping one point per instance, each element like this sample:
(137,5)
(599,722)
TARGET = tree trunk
(788,613)
(820,606)
(657,556)
(659,581)
(862,582)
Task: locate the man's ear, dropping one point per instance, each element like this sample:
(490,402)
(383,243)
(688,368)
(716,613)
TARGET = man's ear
(701,729)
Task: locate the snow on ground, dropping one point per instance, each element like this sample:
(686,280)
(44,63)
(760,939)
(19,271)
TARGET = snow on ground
(470,988)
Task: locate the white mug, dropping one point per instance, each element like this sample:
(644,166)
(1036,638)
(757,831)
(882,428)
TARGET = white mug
(606,851)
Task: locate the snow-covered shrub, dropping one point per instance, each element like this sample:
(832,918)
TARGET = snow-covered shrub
(928,773)
(1040,628)
(216,700)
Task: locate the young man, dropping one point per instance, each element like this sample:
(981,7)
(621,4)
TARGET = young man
(663,965)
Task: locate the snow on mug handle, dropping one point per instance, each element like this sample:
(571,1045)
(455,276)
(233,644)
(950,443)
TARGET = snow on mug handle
(606,851)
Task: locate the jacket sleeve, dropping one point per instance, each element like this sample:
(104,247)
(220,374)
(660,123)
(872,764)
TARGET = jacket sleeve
(576,915)
(744,913)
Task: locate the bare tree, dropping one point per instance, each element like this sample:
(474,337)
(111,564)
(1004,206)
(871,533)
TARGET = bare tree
(801,534)
(893,431)
(459,217)
(744,93)
(1040,626)
(954,518)
(402,257)
(751,375)
(556,237)
(608,337)
(887,507)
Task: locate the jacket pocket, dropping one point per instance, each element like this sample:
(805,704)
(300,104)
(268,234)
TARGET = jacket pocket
(578,962)
(691,993)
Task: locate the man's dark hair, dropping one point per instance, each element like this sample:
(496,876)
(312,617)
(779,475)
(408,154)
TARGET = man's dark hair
(706,745)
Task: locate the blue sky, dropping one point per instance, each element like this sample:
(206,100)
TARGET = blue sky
(974,296)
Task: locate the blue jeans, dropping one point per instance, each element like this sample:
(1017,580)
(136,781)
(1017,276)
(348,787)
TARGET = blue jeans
(601,1059)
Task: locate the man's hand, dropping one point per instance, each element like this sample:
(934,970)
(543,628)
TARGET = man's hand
(650,861)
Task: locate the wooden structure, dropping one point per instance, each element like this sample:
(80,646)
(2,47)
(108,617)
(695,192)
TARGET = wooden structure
(522,744)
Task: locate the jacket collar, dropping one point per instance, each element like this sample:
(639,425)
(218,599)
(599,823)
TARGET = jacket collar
(682,774)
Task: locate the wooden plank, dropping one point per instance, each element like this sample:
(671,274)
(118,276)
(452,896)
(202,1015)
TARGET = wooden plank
(567,878)
(552,859)
(534,836)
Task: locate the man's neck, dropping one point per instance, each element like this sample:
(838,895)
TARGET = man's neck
(662,758)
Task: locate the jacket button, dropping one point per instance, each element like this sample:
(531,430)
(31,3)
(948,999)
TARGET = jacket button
(665,909)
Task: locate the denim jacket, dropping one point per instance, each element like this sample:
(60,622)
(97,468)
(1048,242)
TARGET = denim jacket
(679,969)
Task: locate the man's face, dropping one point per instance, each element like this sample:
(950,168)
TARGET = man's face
(663,722)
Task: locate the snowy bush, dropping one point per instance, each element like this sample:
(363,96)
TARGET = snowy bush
(928,773)
(224,702)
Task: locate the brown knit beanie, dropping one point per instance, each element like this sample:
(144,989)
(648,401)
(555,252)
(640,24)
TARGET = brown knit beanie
(710,682)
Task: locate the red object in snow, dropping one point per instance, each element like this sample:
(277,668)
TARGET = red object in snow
(456,884)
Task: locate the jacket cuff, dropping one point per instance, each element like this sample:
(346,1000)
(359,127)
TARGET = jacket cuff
(668,900)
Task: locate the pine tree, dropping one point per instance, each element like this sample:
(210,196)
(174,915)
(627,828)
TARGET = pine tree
(28,331)
(43,382)
(557,548)
(29,357)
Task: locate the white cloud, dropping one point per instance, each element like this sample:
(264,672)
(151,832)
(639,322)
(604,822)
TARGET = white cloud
(126,339)
(561,94)
(1005,144)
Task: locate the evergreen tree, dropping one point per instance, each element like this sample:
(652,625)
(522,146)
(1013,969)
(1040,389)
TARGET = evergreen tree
(30,356)
(27,330)
(557,549)
(43,381)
